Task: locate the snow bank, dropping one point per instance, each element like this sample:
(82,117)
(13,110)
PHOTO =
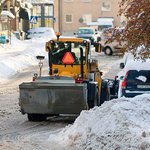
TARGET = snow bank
(120,124)
(20,55)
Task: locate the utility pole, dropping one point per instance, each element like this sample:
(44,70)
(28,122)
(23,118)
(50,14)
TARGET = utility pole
(60,15)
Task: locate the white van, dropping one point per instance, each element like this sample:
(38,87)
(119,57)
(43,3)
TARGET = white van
(102,23)
(110,47)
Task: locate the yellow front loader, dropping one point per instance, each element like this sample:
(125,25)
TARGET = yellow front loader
(74,82)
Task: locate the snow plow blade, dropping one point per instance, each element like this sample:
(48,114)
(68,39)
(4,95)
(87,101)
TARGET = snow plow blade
(49,98)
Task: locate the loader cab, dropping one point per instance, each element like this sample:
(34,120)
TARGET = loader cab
(70,56)
(67,53)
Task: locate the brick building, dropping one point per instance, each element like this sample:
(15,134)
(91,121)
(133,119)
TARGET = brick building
(71,14)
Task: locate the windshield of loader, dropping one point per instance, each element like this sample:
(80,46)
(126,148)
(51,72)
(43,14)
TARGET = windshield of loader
(67,53)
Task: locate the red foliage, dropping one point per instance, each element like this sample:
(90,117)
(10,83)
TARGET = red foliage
(137,30)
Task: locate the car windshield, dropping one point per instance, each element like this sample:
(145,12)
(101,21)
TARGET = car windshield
(85,31)
(67,53)
(142,76)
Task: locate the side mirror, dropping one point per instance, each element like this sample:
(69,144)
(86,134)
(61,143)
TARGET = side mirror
(122,65)
(75,33)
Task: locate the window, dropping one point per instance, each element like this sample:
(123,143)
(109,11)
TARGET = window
(49,10)
(142,76)
(68,18)
(71,51)
(36,10)
(106,6)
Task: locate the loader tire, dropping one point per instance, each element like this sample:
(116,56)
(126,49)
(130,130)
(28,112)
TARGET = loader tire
(36,117)
(105,92)
(94,102)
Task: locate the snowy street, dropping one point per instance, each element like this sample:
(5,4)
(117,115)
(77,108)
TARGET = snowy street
(74,75)
(16,132)
(119,124)
(18,64)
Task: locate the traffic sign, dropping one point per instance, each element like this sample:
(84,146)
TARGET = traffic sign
(68,58)
(34,19)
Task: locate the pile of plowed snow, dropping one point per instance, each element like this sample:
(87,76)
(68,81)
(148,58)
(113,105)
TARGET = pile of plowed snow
(19,55)
(120,124)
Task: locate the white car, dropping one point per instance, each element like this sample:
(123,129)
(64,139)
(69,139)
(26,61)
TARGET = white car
(88,33)
(134,78)
(40,32)
(110,47)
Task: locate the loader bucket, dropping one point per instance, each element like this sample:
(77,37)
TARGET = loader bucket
(52,98)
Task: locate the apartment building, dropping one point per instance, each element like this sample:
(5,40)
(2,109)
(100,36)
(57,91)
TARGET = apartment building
(28,14)
(71,14)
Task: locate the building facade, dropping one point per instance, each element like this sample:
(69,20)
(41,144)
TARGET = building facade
(42,13)
(28,14)
(65,16)
(21,12)
(72,14)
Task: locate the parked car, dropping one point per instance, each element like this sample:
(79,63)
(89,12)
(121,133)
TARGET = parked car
(40,32)
(136,82)
(134,79)
(88,33)
(109,46)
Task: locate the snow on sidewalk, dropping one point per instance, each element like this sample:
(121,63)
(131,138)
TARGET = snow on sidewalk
(120,124)
(19,55)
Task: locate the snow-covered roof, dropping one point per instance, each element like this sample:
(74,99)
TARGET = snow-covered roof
(138,65)
(105,21)
(26,5)
(7,13)
(101,21)
(133,64)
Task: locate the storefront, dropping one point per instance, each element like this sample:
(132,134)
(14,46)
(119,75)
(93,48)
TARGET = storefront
(44,13)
